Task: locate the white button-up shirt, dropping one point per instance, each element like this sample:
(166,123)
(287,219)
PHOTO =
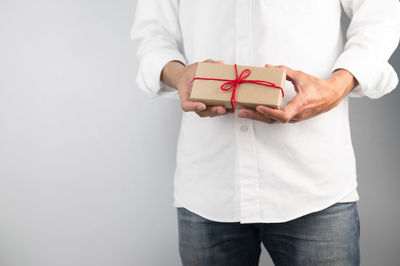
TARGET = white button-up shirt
(233,169)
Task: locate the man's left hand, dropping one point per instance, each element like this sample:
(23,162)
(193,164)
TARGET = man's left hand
(313,97)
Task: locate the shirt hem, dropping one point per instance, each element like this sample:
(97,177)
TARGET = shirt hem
(178,203)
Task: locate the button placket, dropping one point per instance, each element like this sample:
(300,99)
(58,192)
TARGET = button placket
(247,162)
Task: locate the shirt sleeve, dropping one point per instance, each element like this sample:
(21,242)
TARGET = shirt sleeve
(157,30)
(372,37)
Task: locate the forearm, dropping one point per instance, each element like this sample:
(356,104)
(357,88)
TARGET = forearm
(172,72)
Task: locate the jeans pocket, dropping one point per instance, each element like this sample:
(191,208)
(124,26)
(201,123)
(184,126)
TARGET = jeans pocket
(189,216)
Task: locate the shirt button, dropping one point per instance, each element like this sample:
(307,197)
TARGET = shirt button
(244,128)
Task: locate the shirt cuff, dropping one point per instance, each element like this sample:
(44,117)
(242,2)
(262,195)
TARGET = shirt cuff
(362,67)
(149,75)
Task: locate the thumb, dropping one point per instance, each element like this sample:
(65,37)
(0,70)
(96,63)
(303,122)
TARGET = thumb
(291,74)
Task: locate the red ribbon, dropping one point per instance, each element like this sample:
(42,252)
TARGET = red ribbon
(234,83)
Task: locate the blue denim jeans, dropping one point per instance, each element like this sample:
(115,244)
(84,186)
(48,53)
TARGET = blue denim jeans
(326,237)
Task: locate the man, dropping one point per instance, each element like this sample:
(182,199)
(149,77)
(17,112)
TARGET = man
(285,178)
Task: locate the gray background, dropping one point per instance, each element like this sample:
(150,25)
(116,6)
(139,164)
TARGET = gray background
(86,159)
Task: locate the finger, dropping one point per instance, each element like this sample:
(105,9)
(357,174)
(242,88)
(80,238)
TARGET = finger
(258,115)
(305,114)
(291,109)
(250,114)
(189,106)
(214,61)
(212,111)
(291,74)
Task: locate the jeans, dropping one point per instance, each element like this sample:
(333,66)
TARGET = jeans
(327,237)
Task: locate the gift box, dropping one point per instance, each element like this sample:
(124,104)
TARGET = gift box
(234,86)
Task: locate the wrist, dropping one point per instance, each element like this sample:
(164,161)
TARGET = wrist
(343,81)
(172,73)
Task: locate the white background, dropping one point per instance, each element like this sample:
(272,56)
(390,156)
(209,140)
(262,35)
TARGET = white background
(87,160)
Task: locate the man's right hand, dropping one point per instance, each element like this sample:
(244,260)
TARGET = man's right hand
(176,75)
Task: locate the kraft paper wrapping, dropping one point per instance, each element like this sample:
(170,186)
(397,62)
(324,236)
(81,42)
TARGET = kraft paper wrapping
(248,95)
